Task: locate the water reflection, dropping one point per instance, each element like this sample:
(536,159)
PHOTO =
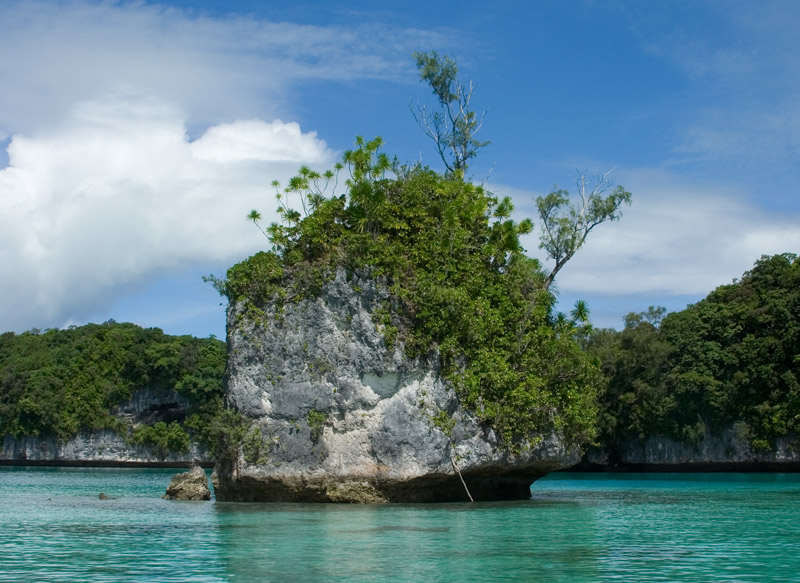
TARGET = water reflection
(691,527)
(548,540)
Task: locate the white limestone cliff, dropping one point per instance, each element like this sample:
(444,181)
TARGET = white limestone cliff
(336,415)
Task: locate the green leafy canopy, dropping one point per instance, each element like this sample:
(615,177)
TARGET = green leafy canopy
(60,382)
(730,360)
(461,285)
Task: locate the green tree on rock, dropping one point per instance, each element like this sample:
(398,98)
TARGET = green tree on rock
(453,127)
(567,220)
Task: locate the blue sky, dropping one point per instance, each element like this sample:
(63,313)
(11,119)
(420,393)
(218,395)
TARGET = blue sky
(136,136)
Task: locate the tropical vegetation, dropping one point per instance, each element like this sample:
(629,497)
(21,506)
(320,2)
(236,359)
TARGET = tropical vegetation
(61,382)
(731,360)
(461,286)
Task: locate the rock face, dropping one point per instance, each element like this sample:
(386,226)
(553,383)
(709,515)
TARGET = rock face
(151,405)
(729,450)
(337,416)
(191,485)
(106,447)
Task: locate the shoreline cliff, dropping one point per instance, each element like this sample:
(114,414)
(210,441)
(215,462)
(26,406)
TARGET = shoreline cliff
(107,447)
(727,451)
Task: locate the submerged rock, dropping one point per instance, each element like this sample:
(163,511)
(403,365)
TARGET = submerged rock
(191,485)
(334,415)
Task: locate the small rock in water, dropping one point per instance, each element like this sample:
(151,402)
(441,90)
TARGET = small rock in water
(104,497)
(191,485)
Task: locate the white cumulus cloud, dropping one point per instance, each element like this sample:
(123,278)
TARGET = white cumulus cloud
(138,138)
(116,194)
(258,140)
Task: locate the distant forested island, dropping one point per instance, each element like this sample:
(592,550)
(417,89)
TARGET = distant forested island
(57,384)
(729,363)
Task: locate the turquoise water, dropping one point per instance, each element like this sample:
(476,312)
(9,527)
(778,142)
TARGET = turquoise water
(576,527)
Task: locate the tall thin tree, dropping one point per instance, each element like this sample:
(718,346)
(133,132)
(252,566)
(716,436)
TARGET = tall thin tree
(566,221)
(454,125)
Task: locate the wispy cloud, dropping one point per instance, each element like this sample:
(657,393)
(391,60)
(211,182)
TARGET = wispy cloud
(680,237)
(741,62)
(62,52)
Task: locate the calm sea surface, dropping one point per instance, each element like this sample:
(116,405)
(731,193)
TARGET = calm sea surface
(576,527)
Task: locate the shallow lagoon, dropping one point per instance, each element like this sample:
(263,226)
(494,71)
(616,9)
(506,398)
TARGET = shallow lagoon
(576,527)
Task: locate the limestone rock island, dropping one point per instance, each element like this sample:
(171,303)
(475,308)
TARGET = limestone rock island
(337,416)
(397,346)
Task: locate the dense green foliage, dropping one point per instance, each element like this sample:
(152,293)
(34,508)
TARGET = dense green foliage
(635,361)
(163,437)
(732,358)
(60,382)
(460,283)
